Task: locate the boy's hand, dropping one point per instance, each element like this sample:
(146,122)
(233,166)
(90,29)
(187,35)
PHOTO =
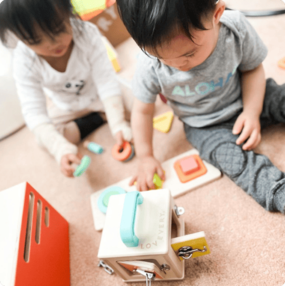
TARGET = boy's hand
(66,164)
(147,168)
(248,125)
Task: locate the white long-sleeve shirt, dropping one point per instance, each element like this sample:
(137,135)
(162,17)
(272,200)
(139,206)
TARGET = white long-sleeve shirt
(89,76)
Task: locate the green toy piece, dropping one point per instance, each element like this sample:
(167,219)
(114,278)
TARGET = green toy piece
(85,162)
(95,148)
(157,181)
(103,200)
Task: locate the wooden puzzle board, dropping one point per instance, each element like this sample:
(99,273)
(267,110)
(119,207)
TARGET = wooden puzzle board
(172,183)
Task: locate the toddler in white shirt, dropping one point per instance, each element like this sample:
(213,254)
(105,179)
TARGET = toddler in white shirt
(64,58)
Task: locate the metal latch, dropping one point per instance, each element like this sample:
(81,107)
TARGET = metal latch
(164,268)
(148,276)
(106,267)
(186,252)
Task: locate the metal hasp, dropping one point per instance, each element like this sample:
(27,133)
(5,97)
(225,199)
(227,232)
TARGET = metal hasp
(186,252)
(148,276)
(106,267)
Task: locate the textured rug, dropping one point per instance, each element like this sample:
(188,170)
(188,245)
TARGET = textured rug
(247,243)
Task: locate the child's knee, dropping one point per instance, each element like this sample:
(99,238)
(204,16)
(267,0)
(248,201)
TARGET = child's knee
(229,158)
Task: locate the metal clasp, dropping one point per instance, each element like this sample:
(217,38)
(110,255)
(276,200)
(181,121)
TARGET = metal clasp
(186,252)
(179,210)
(164,268)
(148,276)
(106,267)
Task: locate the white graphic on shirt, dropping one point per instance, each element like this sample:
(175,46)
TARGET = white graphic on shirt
(203,88)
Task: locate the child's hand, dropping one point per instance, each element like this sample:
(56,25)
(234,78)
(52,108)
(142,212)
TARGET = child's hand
(66,164)
(147,168)
(248,125)
(120,138)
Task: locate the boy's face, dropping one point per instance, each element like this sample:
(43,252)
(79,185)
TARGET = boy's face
(184,54)
(56,47)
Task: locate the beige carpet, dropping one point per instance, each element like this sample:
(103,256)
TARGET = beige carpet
(247,243)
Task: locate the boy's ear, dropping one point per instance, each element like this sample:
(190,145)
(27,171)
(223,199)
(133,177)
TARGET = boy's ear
(219,11)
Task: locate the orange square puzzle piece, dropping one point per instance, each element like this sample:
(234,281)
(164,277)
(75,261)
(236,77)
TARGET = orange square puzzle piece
(189,165)
(190,168)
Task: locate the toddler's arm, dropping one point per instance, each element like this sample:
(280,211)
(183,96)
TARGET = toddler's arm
(107,85)
(253,92)
(64,152)
(252,82)
(47,136)
(142,126)
(115,112)
(33,103)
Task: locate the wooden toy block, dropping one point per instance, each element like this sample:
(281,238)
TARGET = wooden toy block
(125,153)
(189,165)
(157,182)
(84,164)
(34,240)
(112,55)
(193,167)
(93,147)
(163,122)
(172,183)
(87,9)
(104,198)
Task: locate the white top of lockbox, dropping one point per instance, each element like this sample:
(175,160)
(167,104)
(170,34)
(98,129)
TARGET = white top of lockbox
(11,211)
(152,226)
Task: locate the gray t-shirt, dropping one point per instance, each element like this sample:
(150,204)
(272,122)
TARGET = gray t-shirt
(211,92)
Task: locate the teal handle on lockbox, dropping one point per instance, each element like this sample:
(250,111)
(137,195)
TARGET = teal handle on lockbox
(127,228)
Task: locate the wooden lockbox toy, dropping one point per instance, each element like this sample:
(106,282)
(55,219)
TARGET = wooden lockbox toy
(143,237)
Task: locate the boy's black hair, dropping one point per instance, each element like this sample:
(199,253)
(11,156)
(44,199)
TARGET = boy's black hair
(22,17)
(151,22)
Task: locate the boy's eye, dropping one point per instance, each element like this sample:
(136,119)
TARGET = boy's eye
(189,56)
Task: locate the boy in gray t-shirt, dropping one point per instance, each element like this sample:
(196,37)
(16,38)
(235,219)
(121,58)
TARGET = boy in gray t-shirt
(208,63)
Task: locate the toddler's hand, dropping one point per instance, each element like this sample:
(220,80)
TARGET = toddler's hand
(66,164)
(148,166)
(120,138)
(248,125)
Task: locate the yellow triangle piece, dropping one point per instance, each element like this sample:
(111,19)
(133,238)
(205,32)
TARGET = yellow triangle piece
(112,55)
(163,122)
